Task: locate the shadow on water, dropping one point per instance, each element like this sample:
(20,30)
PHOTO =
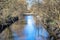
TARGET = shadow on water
(31,32)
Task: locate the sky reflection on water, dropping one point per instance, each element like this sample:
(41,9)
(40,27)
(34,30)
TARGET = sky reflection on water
(30,29)
(31,32)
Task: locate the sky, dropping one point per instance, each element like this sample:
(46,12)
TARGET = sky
(30,2)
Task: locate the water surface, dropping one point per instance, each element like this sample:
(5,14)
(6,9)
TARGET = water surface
(31,32)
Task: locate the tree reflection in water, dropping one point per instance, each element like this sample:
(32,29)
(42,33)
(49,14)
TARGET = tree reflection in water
(31,32)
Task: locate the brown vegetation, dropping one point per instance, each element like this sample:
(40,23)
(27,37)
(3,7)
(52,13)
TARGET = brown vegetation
(48,10)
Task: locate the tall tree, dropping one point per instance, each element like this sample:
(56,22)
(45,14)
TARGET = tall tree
(10,9)
(48,11)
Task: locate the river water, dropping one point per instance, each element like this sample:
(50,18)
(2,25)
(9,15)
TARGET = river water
(31,32)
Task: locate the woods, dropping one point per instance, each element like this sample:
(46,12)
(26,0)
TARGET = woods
(47,10)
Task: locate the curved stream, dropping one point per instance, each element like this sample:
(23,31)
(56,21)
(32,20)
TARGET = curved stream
(31,32)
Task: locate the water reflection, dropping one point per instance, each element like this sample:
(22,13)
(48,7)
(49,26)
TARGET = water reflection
(15,35)
(31,32)
(30,29)
(42,33)
(34,33)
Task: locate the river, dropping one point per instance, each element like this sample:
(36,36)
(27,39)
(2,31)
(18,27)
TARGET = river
(31,32)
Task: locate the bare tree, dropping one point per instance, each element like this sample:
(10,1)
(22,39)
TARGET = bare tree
(48,11)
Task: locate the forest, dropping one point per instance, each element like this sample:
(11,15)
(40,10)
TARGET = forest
(11,18)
